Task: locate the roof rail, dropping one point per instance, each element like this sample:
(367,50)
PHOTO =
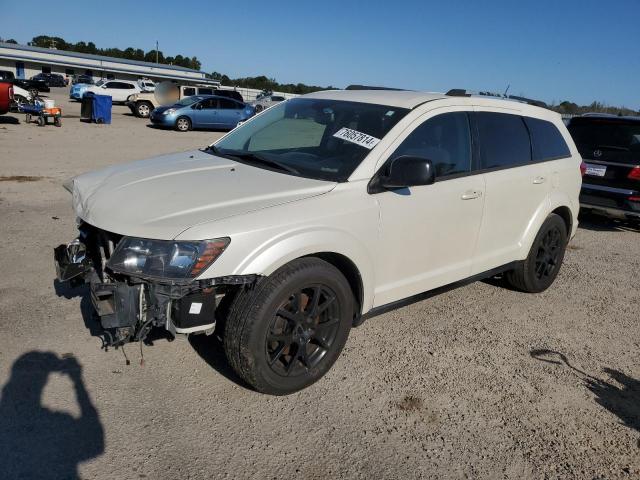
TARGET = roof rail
(461,92)
(368,87)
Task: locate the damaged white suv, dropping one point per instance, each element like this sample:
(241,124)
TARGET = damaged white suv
(322,211)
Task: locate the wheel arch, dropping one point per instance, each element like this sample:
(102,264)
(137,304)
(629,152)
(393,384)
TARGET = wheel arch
(565,213)
(335,246)
(350,271)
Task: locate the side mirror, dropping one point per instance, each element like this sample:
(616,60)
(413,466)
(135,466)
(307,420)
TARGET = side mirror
(402,172)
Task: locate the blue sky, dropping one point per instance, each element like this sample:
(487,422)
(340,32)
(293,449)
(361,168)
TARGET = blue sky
(551,50)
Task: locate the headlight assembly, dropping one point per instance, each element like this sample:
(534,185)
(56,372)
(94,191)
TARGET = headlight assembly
(165,258)
(169,112)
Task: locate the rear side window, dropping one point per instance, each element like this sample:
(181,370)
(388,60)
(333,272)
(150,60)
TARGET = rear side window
(546,140)
(504,140)
(445,140)
(187,92)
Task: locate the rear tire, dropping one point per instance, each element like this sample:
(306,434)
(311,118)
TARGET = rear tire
(143,109)
(183,124)
(259,108)
(538,271)
(286,333)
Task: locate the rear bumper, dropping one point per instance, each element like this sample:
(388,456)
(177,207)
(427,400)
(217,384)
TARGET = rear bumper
(611,201)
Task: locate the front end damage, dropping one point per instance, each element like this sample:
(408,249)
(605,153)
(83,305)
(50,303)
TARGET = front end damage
(128,305)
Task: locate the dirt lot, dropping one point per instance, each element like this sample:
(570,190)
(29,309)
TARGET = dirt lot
(481,382)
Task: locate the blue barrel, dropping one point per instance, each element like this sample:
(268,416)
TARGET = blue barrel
(101,109)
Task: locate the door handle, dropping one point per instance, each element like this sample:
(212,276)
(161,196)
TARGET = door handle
(471,194)
(539,180)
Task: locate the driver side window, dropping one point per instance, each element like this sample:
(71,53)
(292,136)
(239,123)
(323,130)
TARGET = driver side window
(445,140)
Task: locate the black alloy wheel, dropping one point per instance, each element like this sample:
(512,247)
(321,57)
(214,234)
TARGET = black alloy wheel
(302,331)
(286,332)
(549,251)
(538,271)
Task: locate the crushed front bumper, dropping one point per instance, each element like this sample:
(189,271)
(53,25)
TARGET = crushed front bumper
(129,307)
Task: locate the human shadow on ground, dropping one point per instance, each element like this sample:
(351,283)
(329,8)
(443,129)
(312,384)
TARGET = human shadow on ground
(37,442)
(9,120)
(623,399)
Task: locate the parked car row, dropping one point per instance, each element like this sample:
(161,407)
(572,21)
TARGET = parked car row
(141,104)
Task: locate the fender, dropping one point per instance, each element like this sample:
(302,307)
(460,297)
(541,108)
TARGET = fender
(556,199)
(280,250)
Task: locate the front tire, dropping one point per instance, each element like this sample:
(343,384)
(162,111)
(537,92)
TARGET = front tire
(287,332)
(183,124)
(538,271)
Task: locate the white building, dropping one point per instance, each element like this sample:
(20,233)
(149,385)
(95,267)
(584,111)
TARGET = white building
(26,61)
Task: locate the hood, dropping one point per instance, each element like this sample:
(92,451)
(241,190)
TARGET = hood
(163,196)
(164,108)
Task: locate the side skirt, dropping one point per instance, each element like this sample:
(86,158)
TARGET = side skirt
(432,293)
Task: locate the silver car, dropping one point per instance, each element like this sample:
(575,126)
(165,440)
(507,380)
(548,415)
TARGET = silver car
(266,100)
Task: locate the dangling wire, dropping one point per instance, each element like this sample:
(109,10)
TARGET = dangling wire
(141,354)
(125,355)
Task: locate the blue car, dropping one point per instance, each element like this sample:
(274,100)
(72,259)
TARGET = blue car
(77,90)
(202,111)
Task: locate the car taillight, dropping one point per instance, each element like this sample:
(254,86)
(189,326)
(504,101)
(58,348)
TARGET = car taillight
(634,174)
(583,168)
(634,199)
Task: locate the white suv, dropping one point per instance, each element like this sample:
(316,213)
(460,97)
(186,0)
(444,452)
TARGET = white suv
(322,211)
(119,90)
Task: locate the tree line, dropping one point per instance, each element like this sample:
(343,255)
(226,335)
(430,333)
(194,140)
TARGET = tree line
(571,108)
(130,53)
(264,83)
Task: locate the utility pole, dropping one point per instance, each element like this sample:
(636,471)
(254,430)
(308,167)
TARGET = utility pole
(156,51)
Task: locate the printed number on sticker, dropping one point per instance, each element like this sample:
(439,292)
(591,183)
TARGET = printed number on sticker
(359,138)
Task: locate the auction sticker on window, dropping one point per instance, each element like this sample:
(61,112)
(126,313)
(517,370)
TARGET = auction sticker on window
(359,138)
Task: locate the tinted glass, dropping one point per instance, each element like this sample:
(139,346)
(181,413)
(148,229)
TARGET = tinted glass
(546,140)
(205,91)
(229,104)
(210,103)
(504,140)
(187,92)
(606,134)
(277,99)
(445,140)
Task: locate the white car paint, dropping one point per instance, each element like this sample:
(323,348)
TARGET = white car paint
(400,244)
(115,88)
(21,92)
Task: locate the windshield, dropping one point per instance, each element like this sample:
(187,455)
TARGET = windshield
(99,83)
(315,138)
(186,101)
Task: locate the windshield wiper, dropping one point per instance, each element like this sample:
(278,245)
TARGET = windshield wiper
(255,158)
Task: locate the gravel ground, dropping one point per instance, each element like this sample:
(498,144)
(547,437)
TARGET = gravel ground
(481,382)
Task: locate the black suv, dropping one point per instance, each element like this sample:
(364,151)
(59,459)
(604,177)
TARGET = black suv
(610,148)
(51,79)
